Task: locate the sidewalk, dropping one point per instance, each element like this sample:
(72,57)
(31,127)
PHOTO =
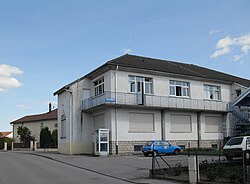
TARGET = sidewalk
(132,168)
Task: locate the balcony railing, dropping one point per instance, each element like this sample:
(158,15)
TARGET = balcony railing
(153,101)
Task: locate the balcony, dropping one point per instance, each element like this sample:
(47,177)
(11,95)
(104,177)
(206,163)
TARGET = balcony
(160,102)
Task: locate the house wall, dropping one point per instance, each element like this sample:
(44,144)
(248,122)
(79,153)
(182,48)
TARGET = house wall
(161,85)
(83,122)
(35,128)
(235,87)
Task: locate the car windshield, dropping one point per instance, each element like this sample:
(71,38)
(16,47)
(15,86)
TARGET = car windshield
(149,143)
(235,141)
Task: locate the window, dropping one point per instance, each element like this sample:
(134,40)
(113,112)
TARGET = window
(136,84)
(238,92)
(181,123)
(63,127)
(141,122)
(137,148)
(178,88)
(42,125)
(235,141)
(212,92)
(99,86)
(56,125)
(213,124)
(214,146)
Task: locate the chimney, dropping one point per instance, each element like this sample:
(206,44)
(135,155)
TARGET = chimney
(50,107)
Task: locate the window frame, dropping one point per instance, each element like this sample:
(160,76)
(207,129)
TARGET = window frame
(180,84)
(99,86)
(207,92)
(145,80)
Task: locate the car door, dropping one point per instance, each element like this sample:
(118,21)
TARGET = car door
(167,147)
(158,147)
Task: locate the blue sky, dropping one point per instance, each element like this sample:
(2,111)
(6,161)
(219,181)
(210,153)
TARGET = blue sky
(47,44)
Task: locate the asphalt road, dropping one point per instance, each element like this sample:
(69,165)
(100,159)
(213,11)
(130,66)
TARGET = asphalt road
(30,169)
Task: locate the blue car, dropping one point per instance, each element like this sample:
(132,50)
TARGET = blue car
(160,147)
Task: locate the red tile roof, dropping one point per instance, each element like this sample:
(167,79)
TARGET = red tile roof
(5,134)
(38,117)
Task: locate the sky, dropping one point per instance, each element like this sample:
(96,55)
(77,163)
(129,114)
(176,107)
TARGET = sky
(46,44)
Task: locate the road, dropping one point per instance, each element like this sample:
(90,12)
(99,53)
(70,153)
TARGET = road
(30,169)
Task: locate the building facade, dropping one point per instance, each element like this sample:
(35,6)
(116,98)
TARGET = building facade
(35,123)
(141,99)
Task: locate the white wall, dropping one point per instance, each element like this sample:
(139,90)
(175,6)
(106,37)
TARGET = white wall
(161,85)
(210,135)
(35,128)
(181,135)
(123,126)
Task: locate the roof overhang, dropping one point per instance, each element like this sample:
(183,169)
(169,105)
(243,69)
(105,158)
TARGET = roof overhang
(243,99)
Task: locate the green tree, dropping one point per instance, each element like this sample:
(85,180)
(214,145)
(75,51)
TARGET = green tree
(45,138)
(55,138)
(1,134)
(25,135)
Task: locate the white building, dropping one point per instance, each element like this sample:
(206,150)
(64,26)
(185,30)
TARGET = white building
(140,99)
(35,123)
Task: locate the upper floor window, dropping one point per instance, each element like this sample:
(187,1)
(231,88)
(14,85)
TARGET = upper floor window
(137,84)
(238,92)
(178,88)
(212,92)
(99,86)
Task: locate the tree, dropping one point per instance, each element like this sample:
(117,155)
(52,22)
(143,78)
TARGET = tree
(1,134)
(55,138)
(45,138)
(25,135)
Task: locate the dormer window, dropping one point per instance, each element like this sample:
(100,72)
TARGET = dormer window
(99,86)
(178,88)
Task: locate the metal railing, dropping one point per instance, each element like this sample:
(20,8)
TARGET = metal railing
(120,98)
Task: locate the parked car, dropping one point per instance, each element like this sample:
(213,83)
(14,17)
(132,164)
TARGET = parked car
(160,147)
(235,147)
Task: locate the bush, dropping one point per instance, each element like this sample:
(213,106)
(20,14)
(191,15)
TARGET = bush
(55,138)
(45,138)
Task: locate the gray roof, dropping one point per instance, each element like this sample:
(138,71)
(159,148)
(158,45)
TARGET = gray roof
(176,68)
(158,65)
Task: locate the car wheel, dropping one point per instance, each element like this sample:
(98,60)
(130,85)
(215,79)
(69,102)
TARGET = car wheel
(145,154)
(176,151)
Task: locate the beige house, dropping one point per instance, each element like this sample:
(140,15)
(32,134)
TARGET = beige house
(140,99)
(35,123)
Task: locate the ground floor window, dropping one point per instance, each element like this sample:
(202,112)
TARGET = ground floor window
(141,122)
(213,124)
(180,123)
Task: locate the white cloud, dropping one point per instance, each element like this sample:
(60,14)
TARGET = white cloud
(214,31)
(224,46)
(7,81)
(245,49)
(220,52)
(126,51)
(237,57)
(7,70)
(23,107)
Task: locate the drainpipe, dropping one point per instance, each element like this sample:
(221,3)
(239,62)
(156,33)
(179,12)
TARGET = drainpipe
(116,126)
(198,129)
(70,119)
(163,127)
